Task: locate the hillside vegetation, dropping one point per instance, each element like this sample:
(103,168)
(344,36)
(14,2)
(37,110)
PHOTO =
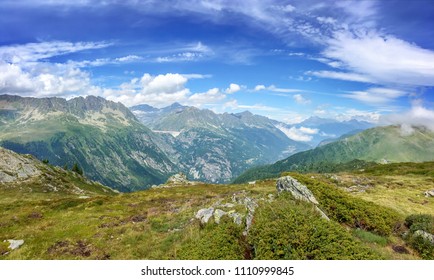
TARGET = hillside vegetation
(380,145)
(161,223)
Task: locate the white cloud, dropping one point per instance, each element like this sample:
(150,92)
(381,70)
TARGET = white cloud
(43,80)
(327,20)
(33,52)
(341,76)
(302,134)
(259,87)
(308,130)
(273,88)
(210,97)
(417,116)
(300,99)
(382,59)
(376,96)
(360,115)
(233,88)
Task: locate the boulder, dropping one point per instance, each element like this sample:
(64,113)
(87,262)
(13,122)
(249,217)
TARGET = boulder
(218,214)
(429,193)
(238,219)
(178,179)
(15,244)
(425,235)
(298,190)
(205,214)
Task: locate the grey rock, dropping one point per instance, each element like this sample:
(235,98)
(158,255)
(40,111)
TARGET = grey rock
(178,179)
(298,190)
(15,167)
(238,219)
(205,214)
(425,235)
(15,244)
(218,214)
(429,193)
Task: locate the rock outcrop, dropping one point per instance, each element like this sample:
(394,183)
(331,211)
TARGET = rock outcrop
(15,167)
(429,193)
(425,235)
(299,192)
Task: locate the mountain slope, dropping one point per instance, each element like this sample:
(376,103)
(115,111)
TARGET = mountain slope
(103,137)
(26,177)
(380,144)
(217,147)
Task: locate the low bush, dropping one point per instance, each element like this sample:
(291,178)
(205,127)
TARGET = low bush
(351,211)
(223,241)
(416,224)
(288,229)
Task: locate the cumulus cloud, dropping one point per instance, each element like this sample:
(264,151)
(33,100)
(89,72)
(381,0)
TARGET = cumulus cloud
(300,99)
(233,88)
(43,80)
(302,134)
(417,116)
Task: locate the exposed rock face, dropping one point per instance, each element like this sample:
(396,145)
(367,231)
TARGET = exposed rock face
(205,214)
(299,192)
(14,167)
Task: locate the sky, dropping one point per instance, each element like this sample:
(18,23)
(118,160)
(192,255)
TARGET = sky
(285,59)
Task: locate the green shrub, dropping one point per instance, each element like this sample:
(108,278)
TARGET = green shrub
(222,241)
(286,229)
(354,212)
(4,248)
(425,223)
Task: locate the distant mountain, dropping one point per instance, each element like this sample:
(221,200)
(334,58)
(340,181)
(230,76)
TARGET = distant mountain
(103,137)
(329,129)
(217,147)
(148,114)
(380,144)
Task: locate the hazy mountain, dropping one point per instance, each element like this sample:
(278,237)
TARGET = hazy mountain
(104,137)
(380,144)
(328,129)
(217,147)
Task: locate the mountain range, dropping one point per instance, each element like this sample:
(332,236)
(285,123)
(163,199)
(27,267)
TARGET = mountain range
(216,147)
(103,137)
(380,144)
(113,147)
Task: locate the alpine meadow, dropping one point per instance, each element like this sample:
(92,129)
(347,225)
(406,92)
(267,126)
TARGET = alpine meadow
(216,130)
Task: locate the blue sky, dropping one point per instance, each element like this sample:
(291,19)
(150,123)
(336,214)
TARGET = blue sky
(284,59)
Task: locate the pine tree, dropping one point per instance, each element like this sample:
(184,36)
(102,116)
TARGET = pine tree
(76,168)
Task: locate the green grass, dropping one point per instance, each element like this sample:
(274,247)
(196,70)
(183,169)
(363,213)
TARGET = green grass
(160,223)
